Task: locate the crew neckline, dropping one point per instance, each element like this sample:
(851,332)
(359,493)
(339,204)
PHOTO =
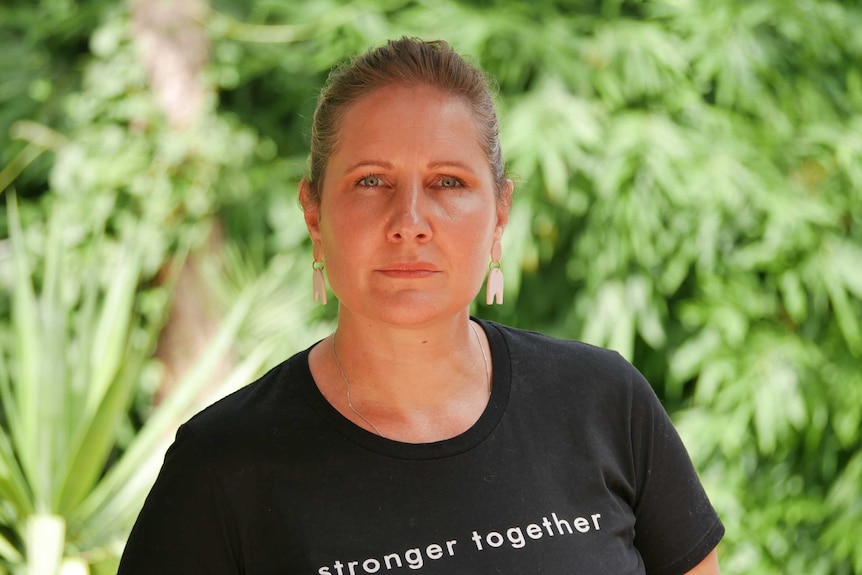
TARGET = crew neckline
(472,437)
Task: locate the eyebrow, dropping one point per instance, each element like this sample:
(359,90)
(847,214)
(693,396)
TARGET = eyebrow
(389,165)
(451,164)
(369,163)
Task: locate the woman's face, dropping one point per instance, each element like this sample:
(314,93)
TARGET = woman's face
(408,211)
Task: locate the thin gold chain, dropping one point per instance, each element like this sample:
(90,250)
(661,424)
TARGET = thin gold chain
(347,385)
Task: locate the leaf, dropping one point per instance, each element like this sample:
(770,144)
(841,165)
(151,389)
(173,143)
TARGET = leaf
(54,417)
(18,164)
(689,358)
(26,323)
(108,394)
(847,262)
(9,552)
(14,488)
(112,328)
(845,316)
(795,299)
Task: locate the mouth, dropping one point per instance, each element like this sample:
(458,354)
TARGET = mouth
(408,270)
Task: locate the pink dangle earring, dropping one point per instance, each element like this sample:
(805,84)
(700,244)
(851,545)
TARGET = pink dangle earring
(494,292)
(318,281)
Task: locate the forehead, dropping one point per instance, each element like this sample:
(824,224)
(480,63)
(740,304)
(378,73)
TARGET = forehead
(404,124)
(416,99)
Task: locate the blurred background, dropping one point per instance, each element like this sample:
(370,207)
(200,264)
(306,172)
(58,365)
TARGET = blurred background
(688,192)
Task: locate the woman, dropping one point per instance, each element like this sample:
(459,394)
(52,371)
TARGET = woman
(415,438)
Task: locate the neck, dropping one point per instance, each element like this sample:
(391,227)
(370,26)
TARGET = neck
(413,384)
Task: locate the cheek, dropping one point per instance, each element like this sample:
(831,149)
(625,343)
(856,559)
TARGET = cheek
(349,245)
(337,227)
(479,233)
(339,240)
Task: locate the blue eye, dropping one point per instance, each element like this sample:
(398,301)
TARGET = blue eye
(449,182)
(370,181)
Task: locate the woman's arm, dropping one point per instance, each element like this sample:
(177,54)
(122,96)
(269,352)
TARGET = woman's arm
(709,566)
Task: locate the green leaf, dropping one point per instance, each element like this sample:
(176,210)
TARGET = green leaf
(93,436)
(793,294)
(14,488)
(26,328)
(8,551)
(845,316)
(112,329)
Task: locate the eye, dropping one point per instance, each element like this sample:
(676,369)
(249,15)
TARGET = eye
(369,181)
(450,182)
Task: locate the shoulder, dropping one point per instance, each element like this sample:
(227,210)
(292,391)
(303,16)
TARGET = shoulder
(555,359)
(535,344)
(252,415)
(245,401)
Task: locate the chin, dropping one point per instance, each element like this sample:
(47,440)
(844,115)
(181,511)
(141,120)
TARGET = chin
(414,310)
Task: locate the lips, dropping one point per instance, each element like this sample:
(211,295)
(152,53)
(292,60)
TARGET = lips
(409,269)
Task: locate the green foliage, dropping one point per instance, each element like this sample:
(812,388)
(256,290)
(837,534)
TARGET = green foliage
(41,51)
(88,284)
(76,352)
(688,191)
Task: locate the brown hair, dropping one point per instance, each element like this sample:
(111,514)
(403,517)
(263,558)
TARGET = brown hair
(403,61)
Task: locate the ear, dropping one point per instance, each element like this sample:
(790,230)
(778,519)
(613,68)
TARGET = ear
(310,210)
(503,204)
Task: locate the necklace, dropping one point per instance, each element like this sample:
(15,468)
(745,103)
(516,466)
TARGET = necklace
(347,382)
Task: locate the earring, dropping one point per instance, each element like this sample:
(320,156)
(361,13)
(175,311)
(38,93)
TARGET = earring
(494,290)
(318,281)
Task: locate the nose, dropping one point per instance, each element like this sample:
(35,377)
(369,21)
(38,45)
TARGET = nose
(409,219)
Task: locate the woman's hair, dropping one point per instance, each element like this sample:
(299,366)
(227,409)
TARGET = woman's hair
(408,61)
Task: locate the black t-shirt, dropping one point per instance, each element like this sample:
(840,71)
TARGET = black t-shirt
(573,467)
